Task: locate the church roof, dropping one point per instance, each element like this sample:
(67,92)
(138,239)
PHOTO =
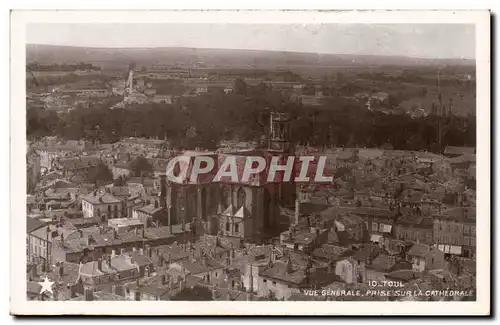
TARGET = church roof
(229,212)
(242,213)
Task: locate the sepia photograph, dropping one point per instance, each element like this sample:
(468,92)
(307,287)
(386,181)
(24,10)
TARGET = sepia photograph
(261,162)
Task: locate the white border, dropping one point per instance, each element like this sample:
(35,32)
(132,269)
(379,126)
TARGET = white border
(19,305)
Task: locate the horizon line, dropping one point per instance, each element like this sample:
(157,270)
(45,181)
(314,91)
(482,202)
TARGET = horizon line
(257,50)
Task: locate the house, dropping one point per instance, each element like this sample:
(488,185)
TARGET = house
(425,257)
(283,278)
(328,252)
(352,224)
(202,266)
(160,287)
(348,270)
(109,270)
(79,165)
(57,243)
(121,225)
(162,99)
(378,222)
(151,214)
(380,97)
(120,169)
(414,227)
(385,263)
(102,205)
(451,151)
(449,230)
(303,239)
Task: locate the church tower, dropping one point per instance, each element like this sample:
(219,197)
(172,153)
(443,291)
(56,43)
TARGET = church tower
(280,144)
(280,137)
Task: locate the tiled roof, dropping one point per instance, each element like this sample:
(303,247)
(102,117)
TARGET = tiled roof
(383,263)
(197,265)
(33,224)
(101,198)
(459,150)
(420,250)
(151,209)
(278,271)
(330,252)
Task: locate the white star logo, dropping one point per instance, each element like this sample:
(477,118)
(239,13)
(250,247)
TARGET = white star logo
(46,285)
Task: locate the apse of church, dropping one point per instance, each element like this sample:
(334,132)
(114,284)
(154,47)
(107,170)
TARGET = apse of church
(236,209)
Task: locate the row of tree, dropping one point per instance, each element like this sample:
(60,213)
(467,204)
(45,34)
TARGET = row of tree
(205,120)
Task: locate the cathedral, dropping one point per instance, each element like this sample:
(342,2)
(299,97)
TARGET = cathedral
(245,210)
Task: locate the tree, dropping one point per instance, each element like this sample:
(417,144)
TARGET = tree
(100,174)
(197,293)
(120,181)
(141,167)
(240,87)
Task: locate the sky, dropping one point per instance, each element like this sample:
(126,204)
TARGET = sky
(413,40)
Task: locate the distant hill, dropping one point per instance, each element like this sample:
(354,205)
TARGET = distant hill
(120,58)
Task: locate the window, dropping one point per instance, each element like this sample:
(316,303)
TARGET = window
(226,197)
(274,283)
(374,226)
(265,281)
(466,241)
(241,198)
(109,208)
(473,241)
(466,229)
(236,228)
(381,227)
(227,226)
(473,230)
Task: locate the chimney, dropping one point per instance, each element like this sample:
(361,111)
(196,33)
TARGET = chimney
(61,269)
(89,294)
(73,291)
(99,264)
(297,211)
(289,266)
(113,252)
(163,191)
(33,271)
(149,252)
(182,283)
(115,234)
(330,266)
(142,234)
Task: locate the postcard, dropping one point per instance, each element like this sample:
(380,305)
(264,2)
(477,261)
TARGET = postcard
(250,162)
